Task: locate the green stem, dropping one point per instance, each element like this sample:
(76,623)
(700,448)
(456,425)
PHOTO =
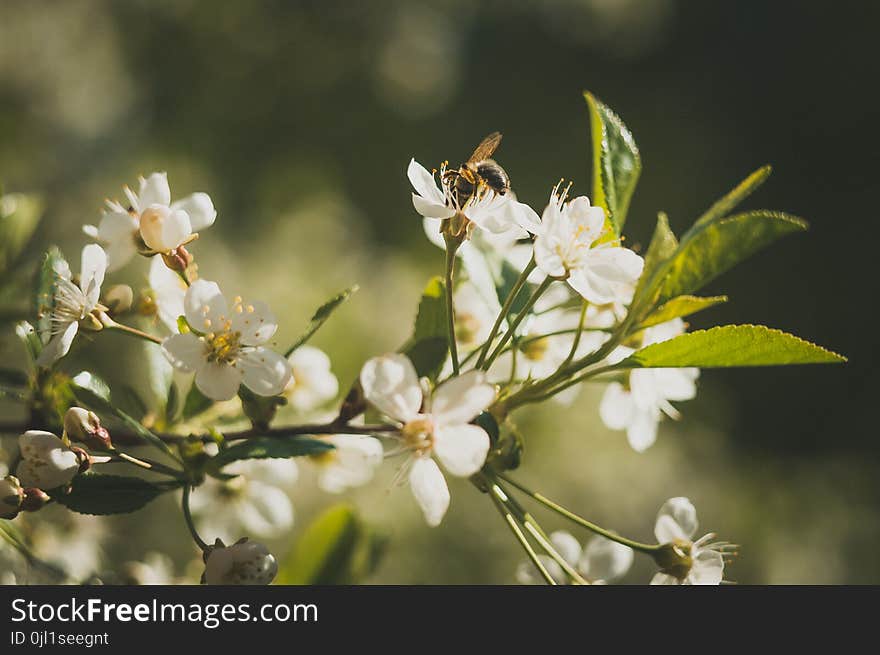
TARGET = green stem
(505,310)
(110,324)
(521,538)
(187,516)
(562,387)
(451,248)
(519,318)
(577,336)
(649,549)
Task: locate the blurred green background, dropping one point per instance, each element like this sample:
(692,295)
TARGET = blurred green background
(299,119)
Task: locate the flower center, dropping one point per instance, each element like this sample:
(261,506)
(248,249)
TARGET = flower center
(223,346)
(418,434)
(466,326)
(535,349)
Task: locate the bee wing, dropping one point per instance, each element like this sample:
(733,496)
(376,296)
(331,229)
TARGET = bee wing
(486,148)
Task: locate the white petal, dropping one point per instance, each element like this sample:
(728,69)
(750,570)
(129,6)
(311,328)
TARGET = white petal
(164,229)
(352,463)
(642,432)
(461,448)
(617,408)
(391,384)
(432,226)
(58,346)
(93,268)
(117,225)
(462,398)
(204,302)
(218,381)
(707,569)
(424,183)
(591,287)
(615,264)
(255,321)
(677,519)
(186,352)
(431,209)
(524,216)
(266,510)
(154,190)
(547,257)
(677,383)
(606,560)
(200,210)
(664,579)
(168,291)
(264,371)
(430,490)
(566,545)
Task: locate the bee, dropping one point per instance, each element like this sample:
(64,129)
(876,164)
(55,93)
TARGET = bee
(478,173)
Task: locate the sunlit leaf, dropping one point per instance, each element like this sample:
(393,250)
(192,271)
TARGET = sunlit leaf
(429,345)
(321,315)
(732,346)
(681,306)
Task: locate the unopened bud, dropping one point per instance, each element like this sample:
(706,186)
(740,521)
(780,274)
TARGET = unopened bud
(85,426)
(243,563)
(178,259)
(34,499)
(11,497)
(119,298)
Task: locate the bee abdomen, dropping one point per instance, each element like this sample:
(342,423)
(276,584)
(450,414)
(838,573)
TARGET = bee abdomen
(494,176)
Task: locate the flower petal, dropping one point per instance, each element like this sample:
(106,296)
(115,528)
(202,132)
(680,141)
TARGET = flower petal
(264,371)
(566,545)
(93,268)
(154,190)
(200,210)
(642,432)
(615,264)
(707,569)
(462,398)
(58,346)
(218,381)
(186,352)
(605,560)
(547,256)
(677,519)
(664,579)
(461,448)
(266,510)
(205,307)
(424,183)
(616,408)
(391,384)
(429,489)
(430,208)
(255,321)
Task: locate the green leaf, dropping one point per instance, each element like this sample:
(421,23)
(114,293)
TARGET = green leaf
(710,249)
(53,266)
(731,346)
(94,393)
(196,402)
(336,548)
(739,193)
(429,345)
(96,493)
(616,162)
(662,247)
(270,447)
(321,315)
(19,217)
(681,306)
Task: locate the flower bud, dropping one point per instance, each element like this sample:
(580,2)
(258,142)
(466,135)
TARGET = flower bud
(119,298)
(34,499)
(46,463)
(85,426)
(178,259)
(163,229)
(243,563)
(11,496)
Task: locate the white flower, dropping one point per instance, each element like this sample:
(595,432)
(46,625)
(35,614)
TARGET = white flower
(486,209)
(155,569)
(253,502)
(46,463)
(442,428)
(11,495)
(72,303)
(168,290)
(566,247)
(229,351)
(639,408)
(599,562)
(474,315)
(243,563)
(352,462)
(676,525)
(151,218)
(313,383)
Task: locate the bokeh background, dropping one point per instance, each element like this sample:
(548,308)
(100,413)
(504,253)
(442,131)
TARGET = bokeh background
(299,119)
